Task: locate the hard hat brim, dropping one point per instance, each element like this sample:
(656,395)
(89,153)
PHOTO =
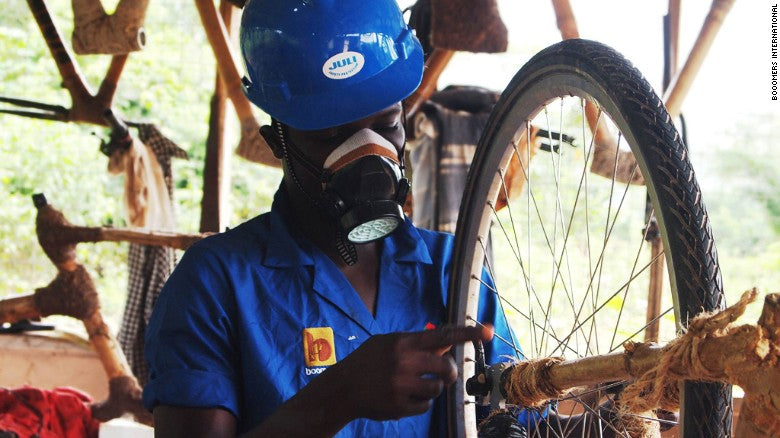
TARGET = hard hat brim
(373,94)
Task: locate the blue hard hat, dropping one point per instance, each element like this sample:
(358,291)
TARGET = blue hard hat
(314,64)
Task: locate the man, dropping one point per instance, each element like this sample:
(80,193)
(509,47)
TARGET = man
(323,316)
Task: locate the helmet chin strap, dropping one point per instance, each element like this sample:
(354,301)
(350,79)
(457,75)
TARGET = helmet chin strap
(344,247)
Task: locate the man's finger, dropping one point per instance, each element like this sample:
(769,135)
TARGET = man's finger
(444,337)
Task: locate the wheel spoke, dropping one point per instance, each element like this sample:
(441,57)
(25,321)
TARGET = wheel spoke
(565,263)
(633,269)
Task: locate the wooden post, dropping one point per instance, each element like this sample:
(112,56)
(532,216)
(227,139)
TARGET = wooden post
(215,176)
(654,290)
(653,236)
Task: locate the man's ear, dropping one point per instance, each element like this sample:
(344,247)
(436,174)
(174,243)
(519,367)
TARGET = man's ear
(272,138)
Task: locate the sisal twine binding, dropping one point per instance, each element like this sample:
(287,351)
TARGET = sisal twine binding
(636,426)
(529,383)
(658,387)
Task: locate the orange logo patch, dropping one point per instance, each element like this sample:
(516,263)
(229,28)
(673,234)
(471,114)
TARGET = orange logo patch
(318,346)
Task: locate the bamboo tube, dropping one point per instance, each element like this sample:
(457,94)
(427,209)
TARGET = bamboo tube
(108,86)
(85,107)
(681,84)
(674,32)
(77,234)
(139,236)
(105,345)
(564,18)
(18,308)
(434,66)
(72,78)
(605,146)
(252,145)
(607,368)
(745,355)
(227,60)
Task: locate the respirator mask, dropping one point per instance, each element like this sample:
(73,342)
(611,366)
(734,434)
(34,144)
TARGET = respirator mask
(363,188)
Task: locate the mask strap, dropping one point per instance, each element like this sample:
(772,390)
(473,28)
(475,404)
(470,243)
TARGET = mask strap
(286,150)
(296,153)
(344,247)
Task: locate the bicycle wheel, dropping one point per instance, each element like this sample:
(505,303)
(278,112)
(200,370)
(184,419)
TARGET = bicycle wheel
(567,254)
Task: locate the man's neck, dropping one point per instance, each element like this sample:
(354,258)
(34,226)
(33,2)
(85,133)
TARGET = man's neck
(364,274)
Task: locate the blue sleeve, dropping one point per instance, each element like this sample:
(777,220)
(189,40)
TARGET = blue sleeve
(190,338)
(504,346)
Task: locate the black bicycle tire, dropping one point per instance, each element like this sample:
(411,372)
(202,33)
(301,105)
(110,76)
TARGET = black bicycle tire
(663,159)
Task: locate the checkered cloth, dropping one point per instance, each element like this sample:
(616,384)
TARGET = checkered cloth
(148,266)
(442,143)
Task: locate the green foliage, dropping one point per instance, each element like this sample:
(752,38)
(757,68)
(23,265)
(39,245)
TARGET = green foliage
(169,83)
(740,176)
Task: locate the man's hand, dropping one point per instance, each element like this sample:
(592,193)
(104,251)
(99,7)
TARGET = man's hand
(388,377)
(398,375)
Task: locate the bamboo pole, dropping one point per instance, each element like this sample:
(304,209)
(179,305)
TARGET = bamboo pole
(106,346)
(681,84)
(85,106)
(72,78)
(77,234)
(105,94)
(606,146)
(227,60)
(435,64)
(716,351)
(564,19)
(18,308)
(252,146)
(674,32)
(595,370)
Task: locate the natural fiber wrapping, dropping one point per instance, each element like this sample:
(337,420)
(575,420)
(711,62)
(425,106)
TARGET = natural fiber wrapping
(468,25)
(96,32)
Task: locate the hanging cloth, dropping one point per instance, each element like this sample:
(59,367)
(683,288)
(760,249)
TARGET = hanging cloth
(442,143)
(149,199)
